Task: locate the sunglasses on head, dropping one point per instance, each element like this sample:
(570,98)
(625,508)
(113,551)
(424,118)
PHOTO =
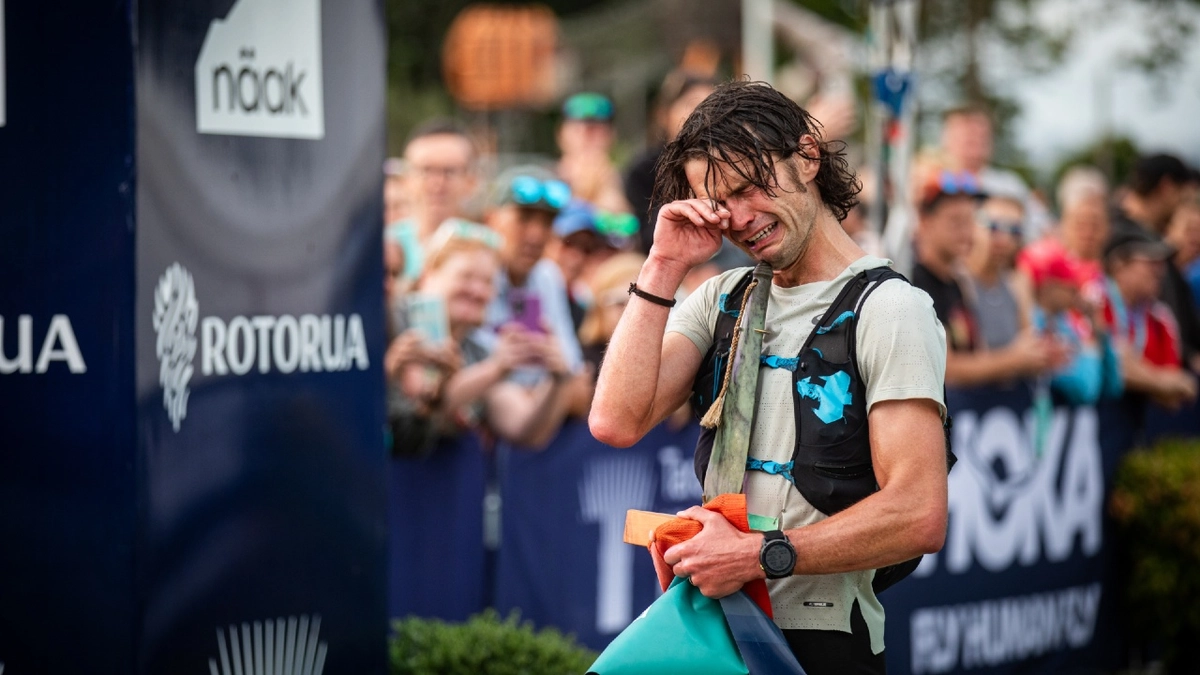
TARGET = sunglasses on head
(1008,227)
(956,183)
(529,191)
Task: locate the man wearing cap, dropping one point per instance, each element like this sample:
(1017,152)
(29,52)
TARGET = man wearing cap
(813,371)
(1157,186)
(946,210)
(1143,327)
(521,207)
(585,139)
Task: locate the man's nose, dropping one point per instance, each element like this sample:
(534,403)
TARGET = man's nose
(740,215)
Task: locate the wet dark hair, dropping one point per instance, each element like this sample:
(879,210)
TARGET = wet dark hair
(749,126)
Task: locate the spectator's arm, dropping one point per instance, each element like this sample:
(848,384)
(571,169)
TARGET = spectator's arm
(527,417)
(1028,355)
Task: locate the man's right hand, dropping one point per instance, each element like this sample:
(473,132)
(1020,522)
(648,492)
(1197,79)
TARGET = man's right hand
(688,232)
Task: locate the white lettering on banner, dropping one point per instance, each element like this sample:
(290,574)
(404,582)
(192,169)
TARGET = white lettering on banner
(1005,630)
(269,647)
(1007,505)
(679,482)
(610,487)
(264,343)
(282,343)
(59,344)
(259,71)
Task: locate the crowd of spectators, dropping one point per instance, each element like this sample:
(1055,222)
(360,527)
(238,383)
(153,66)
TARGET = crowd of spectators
(503,290)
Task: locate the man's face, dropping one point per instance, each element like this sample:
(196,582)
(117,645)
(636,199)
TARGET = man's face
(1085,228)
(947,230)
(1139,278)
(440,175)
(775,230)
(1165,199)
(967,138)
(526,232)
(1184,232)
(578,137)
(1002,217)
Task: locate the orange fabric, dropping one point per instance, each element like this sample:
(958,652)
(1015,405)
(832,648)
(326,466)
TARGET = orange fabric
(679,530)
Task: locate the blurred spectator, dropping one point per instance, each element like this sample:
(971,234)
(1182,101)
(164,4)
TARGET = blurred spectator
(578,247)
(585,139)
(967,146)
(438,388)
(1083,226)
(610,287)
(440,175)
(395,197)
(1002,301)
(1144,329)
(1093,370)
(945,232)
(1156,188)
(522,205)
(1183,233)
(679,95)
(393,271)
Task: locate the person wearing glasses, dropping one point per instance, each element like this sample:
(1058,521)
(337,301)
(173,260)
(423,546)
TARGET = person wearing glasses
(530,292)
(750,166)
(439,175)
(945,235)
(1003,300)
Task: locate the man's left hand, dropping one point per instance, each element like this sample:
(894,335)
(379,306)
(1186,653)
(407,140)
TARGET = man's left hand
(719,560)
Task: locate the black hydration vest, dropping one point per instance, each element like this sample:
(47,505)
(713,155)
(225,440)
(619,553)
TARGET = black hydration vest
(831,461)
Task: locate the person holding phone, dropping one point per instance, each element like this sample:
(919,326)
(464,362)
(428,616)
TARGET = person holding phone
(530,291)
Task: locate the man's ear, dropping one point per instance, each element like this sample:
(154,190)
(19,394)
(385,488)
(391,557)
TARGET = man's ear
(808,159)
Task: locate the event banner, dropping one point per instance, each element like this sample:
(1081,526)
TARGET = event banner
(260,336)
(67,486)
(1025,580)
(563,561)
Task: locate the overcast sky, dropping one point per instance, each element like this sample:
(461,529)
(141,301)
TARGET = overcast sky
(1060,112)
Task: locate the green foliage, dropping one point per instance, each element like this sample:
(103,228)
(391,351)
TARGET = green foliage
(1156,501)
(484,645)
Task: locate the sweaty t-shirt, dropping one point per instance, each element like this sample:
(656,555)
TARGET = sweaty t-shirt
(901,355)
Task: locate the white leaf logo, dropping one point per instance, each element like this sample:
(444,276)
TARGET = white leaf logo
(176,313)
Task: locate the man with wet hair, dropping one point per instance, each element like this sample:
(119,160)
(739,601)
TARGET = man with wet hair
(837,360)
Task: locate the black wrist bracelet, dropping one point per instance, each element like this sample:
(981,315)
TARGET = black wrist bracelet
(634,290)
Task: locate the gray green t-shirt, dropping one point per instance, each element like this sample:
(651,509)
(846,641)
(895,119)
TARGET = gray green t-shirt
(901,355)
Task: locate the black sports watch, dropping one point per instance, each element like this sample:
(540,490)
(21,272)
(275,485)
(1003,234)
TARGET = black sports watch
(777,557)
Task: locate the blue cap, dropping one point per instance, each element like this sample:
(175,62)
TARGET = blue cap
(576,216)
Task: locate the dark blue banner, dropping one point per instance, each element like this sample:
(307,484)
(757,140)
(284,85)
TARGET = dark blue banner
(562,558)
(67,481)
(1025,580)
(259,324)
(437,566)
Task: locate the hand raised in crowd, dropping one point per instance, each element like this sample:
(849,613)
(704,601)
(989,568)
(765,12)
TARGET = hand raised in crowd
(516,347)
(1038,354)
(688,232)
(405,348)
(1178,388)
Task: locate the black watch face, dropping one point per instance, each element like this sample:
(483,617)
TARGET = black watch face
(777,558)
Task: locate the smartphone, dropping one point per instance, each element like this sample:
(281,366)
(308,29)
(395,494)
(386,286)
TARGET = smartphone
(427,316)
(526,309)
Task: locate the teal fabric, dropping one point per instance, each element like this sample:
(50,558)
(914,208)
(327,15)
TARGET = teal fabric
(681,632)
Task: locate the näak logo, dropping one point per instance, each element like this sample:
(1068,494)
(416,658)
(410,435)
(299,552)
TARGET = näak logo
(259,71)
(279,647)
(176,314)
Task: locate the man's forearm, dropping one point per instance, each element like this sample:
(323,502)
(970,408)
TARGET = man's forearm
(623,407)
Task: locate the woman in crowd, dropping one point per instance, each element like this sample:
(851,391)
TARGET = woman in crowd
(1002,302)
(442,384)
